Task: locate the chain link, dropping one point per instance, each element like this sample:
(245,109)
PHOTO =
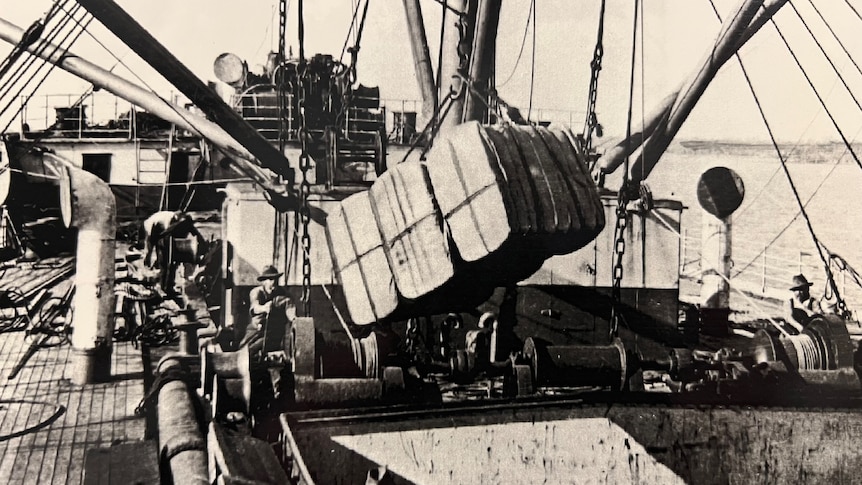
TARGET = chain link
(619,252)
(304,191)
(596,66)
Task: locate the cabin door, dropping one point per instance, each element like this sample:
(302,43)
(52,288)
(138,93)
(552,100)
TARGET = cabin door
(98,164)
(177,174)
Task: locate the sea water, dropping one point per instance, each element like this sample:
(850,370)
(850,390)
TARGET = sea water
(769,221)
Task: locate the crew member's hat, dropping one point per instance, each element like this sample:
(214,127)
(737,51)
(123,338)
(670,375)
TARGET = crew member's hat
(269,273)
(799,282)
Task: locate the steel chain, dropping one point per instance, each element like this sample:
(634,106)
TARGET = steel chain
(304,191)
(595,67)
(619,251)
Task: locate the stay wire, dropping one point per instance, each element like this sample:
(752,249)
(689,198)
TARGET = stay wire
(179,112)
(22,68)
(853,9)
(825,55)
(622,196)
(39,69)
(27,40)
(834,35)
(521,49)
(816,93)
(793,188)
(532,62)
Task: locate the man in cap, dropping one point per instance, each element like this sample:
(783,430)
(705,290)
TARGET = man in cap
(802,307)
(261,299)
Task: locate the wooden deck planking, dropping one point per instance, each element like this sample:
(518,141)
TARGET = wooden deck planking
(95,415)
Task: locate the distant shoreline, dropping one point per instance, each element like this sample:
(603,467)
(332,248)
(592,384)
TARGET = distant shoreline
(826,152)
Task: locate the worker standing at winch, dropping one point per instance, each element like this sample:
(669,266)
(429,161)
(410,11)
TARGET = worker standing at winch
(262,299)
(802,307)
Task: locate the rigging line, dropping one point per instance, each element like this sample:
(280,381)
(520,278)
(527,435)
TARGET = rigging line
(438,80)
(181,113)
(631,95)
(661,218)
(793,219)
(36,29)
(532,61)
(39,69)
(853,9)
(816,92)
(521,49)
(834,35)
(450,8)
(350,30)
(643,97)
(781,158)
(23,67)
(762,190)
(828,59)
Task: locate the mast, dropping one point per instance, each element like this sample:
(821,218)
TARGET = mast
(156,55)
(454,28)
(482,60)
(421,58)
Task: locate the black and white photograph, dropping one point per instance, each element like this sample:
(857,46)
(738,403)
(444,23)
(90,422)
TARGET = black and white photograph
(386,242)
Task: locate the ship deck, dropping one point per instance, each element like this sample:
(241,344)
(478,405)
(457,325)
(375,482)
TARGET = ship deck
(47,423)
(36,449)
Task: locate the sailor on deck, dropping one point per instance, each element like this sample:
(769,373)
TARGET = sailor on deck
(263,300)
(802,307)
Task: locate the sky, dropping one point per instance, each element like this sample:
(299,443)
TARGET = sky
(672,41)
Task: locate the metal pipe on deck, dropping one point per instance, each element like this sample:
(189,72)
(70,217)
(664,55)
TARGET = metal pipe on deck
(88,205)
(421,58)
(181,441)
(138,96)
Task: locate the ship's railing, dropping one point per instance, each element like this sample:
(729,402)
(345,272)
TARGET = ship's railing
(94,115)
(70,115)
(402,122)
(766,272)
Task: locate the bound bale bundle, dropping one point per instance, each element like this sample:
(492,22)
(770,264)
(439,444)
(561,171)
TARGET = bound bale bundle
(412,230)
(490,205)
(360,261)
(519,190)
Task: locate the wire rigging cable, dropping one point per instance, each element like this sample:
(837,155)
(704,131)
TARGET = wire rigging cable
(826,56)
(835,36)
(816,93)
(31,36)
(796,195)
(532,61)
(42,48)
(521,49)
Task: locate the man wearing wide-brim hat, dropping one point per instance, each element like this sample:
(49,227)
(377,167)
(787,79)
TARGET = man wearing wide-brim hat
(260,297)
(802,307)
(260,300)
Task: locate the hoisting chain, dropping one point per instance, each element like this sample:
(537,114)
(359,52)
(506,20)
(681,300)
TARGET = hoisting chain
(619,252)
(596,67)
(625,194)
(304,167)
(463,50)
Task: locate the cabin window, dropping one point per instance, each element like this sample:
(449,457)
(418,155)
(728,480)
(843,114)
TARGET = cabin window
(98,164)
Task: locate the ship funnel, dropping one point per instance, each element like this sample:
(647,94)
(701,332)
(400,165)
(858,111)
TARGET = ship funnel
(230,69)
